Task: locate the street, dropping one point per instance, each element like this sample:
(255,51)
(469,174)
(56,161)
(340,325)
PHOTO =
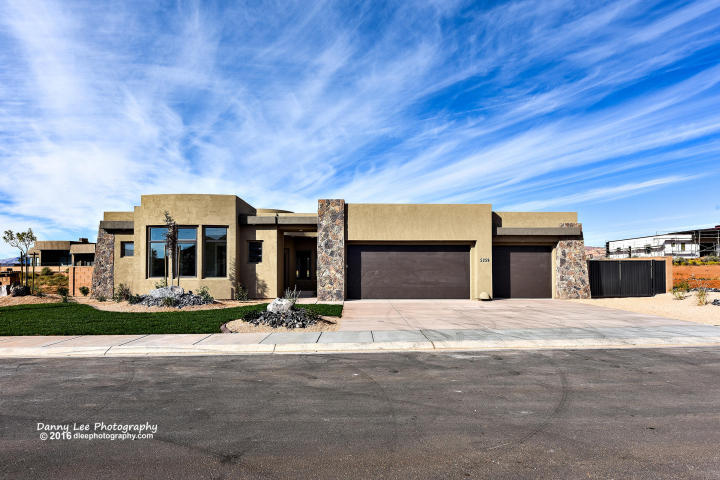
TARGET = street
(625,413)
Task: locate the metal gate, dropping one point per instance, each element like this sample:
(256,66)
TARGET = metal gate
(626,278)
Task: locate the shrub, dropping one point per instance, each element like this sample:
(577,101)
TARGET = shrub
(161,283)
(101,298)
(169,301)
(679,293)
(46,271)
(84,290)
(701,294)
(682,285)
(291,295)
(37,292)
(134,299)
(63,292)
(204,292)
(122,293)
(241,293)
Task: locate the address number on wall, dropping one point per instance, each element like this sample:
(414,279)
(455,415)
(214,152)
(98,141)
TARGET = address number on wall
(484,260)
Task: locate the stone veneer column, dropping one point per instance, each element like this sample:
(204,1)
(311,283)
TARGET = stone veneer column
(331,250)
(103,277)
(571,272)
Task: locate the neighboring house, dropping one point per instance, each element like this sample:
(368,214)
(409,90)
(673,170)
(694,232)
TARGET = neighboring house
(60,253)
(683,244)
(343,250)
(595,252)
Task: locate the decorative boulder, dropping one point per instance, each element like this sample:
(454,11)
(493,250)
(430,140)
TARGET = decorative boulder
(164,292)
(4,290)
(485,296)
(280,305)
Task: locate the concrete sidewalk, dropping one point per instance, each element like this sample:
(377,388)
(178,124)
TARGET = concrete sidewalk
(681,335)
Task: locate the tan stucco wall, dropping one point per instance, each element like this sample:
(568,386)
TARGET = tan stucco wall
(118,216)
(535,219)
(261,279)
(429,223)
(187,210)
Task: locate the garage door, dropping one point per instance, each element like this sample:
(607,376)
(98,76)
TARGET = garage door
(522,272)
(408,271)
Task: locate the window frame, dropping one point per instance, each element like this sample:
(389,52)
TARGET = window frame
(205,241)
(123,245)
(150,241)
(250,258)
(176,268)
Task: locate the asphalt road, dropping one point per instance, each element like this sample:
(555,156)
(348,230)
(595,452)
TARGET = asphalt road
(645,413)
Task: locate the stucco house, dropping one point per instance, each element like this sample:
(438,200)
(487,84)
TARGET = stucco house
(62,253)
(344,250)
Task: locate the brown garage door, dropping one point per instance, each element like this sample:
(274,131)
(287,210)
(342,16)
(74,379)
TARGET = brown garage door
(408,271)
(522,272)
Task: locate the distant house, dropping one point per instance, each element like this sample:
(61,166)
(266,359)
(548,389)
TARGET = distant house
(684,244)
(60,253)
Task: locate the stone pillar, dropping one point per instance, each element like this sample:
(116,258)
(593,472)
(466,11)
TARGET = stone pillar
(331,250)
(103,277)
(571,272)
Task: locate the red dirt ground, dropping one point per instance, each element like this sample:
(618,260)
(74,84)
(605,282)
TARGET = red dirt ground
(708,272)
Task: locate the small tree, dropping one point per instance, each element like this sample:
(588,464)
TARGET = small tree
(22,241)
(171,244)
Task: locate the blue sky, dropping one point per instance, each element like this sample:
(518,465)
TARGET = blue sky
(611,109)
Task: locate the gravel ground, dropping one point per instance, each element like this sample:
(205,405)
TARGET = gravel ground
(665,305)
(28,300)
(111,306)
(330,324)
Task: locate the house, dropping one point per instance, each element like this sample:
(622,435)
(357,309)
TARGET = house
(60,253)
(683,244)
(343,250)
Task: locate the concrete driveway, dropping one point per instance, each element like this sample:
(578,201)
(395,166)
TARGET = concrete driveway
(498,314)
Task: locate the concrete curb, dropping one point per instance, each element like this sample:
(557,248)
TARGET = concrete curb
(315,348)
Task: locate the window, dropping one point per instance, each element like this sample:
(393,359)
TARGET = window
(157,259)
(254,252)
(682,247)
(187,252)
(647,249)
(302,271)
(127,249)
(215,252)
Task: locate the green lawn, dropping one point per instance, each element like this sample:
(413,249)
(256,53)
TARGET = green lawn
(77,319)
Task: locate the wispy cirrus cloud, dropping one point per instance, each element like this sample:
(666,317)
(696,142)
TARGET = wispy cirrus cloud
(524,104)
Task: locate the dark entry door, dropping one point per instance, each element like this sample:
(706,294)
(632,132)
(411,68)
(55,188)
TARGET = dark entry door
(408,271)
(522,272)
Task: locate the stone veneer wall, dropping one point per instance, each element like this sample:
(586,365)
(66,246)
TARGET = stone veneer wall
(571,272)
(331,250)
(103,277)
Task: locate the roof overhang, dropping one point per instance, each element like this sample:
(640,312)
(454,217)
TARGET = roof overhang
(277,220)
(117,225)
(539,232)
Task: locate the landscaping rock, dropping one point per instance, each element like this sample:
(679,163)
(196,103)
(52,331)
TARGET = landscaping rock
(4,290)
(485,296)
(294,318)
(19,290)
(164,292)
(716,302)
(280,305)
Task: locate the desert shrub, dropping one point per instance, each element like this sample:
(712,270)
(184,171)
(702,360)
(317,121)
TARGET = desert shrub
(161,283)
(291,295)
(169,301)
(134,299)
(122,293)
(682,285)
(204,292)
(63,292)
(679,293)
(701,295)
(46,271)
(37,292)
(241,293)
(101,298)
(84,290)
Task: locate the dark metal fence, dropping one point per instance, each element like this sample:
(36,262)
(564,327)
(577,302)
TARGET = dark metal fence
(626,278)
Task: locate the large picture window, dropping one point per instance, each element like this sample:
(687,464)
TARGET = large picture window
(215,251)
(157,257)
(187,252)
